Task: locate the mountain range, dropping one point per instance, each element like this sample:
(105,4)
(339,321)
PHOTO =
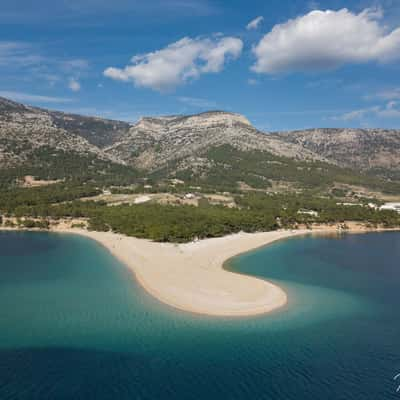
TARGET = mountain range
(214,148)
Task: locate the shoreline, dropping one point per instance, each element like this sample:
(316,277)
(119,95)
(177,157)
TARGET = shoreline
(191,277)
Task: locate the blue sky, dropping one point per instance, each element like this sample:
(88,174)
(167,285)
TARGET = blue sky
(285,64)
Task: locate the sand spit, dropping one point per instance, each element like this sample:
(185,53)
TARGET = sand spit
(191,276)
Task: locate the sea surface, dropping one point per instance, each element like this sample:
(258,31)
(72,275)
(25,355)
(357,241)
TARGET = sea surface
(74,324)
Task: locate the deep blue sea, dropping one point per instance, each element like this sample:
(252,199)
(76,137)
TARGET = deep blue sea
(74,324)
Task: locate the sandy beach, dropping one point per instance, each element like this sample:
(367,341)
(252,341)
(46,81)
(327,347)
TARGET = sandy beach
(191,276)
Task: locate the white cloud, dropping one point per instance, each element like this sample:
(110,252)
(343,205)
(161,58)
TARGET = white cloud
(26,97)
(22,54)
(322,40)
(356,114)
(27,63)
(179,62)
(74,85)
(18,54)
(255,23)
(390,110)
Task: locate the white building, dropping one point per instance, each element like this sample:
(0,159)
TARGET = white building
(308,212)
(391,207)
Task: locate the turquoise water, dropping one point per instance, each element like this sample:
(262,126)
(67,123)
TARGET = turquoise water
(74,324)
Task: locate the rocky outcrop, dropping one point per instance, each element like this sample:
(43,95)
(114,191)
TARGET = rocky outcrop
(356,148)
(24,129)
(153,142)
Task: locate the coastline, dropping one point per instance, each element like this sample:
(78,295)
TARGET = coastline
(191,276)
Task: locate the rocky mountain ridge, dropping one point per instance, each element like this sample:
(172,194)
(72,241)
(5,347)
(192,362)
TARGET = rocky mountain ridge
(152,143)
(25,129)
(355,148)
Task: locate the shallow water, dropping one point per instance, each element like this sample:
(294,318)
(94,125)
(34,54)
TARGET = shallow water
(74,324)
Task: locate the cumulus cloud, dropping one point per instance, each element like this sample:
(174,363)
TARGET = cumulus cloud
(323,40)
(74,85)
(255,23)
(179,62)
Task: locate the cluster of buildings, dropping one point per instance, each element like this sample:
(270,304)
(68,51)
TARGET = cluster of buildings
(391,207)
(386,206)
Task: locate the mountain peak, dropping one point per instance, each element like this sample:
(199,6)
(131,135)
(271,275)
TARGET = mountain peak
(222,116)
(208,117)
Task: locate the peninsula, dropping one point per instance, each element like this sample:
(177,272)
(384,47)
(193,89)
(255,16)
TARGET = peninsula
(191,276)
